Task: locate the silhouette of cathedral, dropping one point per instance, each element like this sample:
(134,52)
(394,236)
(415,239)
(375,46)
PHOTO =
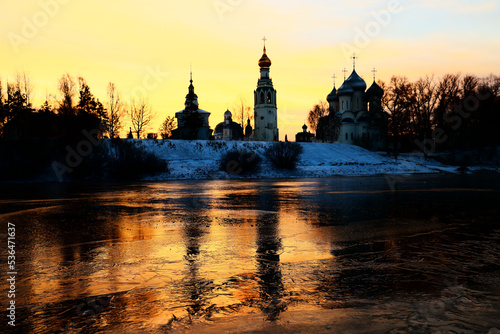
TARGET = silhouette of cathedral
(363,121)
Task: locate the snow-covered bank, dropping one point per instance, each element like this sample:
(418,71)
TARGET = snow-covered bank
(199,160)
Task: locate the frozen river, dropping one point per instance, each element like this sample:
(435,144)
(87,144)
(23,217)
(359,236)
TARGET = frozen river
(339,255)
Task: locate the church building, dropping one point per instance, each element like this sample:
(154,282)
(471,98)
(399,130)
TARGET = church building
(265,107)
(363,122)
(228,130)
(192,122)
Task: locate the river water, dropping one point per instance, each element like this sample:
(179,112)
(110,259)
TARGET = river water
(415,254)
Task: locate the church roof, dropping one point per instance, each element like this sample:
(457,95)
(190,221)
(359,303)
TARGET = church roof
(333,95)
(345,89)
(234,126)
(356,82)
(199,111)
(375,90)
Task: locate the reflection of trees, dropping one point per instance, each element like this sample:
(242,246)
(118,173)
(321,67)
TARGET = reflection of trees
(195,287)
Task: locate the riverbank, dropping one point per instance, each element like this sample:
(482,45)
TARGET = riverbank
(199,160)
(58,161)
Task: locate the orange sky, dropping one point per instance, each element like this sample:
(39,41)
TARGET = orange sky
(126,41)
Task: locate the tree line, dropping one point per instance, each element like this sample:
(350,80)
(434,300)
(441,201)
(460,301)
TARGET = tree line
(453,112)
(74,100)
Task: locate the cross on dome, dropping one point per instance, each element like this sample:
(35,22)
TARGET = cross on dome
(345,71)
(374,71)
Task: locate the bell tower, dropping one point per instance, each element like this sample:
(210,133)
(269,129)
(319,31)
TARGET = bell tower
(265,108)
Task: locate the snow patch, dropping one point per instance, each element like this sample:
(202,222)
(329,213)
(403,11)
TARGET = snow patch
(198,159)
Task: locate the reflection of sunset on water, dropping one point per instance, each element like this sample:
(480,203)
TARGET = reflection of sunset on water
(180,254)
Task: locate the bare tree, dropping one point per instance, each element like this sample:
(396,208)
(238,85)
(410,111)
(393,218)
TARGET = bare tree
(491,83)
(448,91)
(25,87)
(115,111)
(470,83)
(318,111)
(167,127)
(67,89)
(397,100)
(242,112)
(425,99)
(141,115)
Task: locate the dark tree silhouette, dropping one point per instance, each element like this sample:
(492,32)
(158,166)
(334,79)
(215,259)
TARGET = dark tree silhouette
(115,111)
(328,129)
(167,127)
(242,112)
(89,105)
(318,111)
(397,101)
(46,108)
(67,89)
(141,115)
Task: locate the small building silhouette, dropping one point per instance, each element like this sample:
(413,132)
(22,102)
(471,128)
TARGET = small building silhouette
(248,131)
(304,136)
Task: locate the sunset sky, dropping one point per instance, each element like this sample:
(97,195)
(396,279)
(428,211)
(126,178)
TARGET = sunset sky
(308,41)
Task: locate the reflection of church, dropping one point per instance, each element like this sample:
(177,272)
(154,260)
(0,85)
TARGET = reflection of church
(363,121)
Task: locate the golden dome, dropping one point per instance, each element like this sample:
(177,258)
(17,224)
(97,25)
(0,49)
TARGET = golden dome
(264,61)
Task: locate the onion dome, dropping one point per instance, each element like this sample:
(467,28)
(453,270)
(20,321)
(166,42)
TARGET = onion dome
(345,89)
(333,95)
(356,82)
(227,114)
(219,128)
(374,90)
(264,61)
(304,128)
